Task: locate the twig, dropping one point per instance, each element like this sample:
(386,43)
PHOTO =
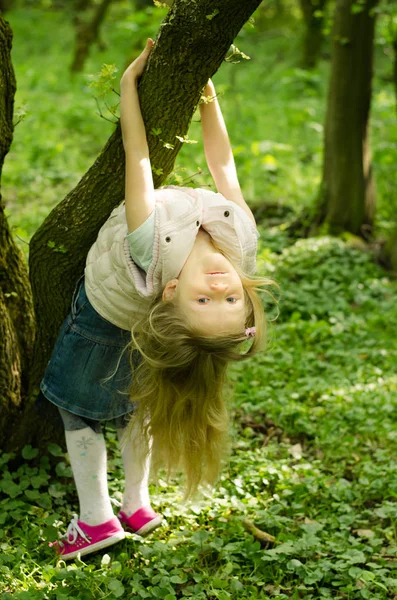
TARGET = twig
(261,536)
(101,115)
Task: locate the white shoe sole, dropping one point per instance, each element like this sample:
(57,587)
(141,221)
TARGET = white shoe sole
(117,537)
(150,526)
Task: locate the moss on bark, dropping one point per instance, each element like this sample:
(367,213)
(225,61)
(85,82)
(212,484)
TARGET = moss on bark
(16,306)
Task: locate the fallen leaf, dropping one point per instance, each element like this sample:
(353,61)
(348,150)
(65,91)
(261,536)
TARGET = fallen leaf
(296,451)
(365,533)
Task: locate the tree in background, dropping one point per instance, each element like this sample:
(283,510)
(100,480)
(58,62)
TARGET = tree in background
(313,16)
(142,4)
(5,5)
(87,29)
(169,93)
(347,197)
(391,245)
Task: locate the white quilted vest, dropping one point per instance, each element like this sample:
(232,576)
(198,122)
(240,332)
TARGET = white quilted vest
(118,289)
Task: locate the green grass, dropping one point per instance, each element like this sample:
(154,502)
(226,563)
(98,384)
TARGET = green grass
(314,437)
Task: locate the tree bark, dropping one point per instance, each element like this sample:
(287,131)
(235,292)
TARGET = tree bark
(16,306)
(313,17)
(87,32)
(189,49)
(347,197)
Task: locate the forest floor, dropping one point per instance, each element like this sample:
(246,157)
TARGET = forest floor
(314,418)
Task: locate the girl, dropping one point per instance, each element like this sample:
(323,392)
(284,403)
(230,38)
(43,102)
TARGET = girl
(170,277)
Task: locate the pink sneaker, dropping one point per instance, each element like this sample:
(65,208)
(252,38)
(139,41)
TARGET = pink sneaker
(142,521)
(81,538)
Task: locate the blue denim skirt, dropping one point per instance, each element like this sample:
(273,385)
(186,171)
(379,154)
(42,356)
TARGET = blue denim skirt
(89,373)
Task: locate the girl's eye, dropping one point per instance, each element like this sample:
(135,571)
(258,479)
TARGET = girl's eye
(202,300)
(231,300)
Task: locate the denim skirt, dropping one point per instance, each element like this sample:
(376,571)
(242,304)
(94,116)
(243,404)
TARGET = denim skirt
(89,373)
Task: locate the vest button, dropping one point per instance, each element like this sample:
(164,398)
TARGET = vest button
(168,239)
(198,223)
(226,213)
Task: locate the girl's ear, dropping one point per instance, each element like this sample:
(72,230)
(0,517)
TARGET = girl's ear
(170,290)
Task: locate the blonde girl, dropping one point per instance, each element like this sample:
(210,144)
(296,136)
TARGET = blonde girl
(170,276)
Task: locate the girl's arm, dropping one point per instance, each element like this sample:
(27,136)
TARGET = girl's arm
(139,189)
(218,151)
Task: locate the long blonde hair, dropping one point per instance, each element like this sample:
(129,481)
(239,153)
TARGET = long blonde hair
(178,385)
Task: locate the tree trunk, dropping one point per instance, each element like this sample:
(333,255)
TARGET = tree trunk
(169,93)
(347,198)
(16,306)
(86,34)
(81,5)
(142,4)
(313,17)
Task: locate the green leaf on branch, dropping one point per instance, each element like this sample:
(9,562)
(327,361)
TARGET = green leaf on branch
(155,131)
(157,171)
(185,139)
(235,55)
(213,14)
(19,114)
(102,82)
(62,249)
(207,99)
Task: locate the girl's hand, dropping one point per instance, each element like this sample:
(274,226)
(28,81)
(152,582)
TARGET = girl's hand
(135,70)
(209,89)
(209,94)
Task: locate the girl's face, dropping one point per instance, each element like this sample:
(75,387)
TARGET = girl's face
(209,292)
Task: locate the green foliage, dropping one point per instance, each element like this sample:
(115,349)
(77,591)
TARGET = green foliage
(314,439)
(234,55)
(313,463)
(103,82)
(324,278)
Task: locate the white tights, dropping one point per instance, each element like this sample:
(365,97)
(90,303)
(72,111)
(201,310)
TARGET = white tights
(88,458)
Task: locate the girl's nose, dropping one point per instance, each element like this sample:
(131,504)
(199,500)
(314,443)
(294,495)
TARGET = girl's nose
(219,287)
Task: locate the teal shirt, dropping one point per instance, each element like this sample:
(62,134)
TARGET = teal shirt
(141,243)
